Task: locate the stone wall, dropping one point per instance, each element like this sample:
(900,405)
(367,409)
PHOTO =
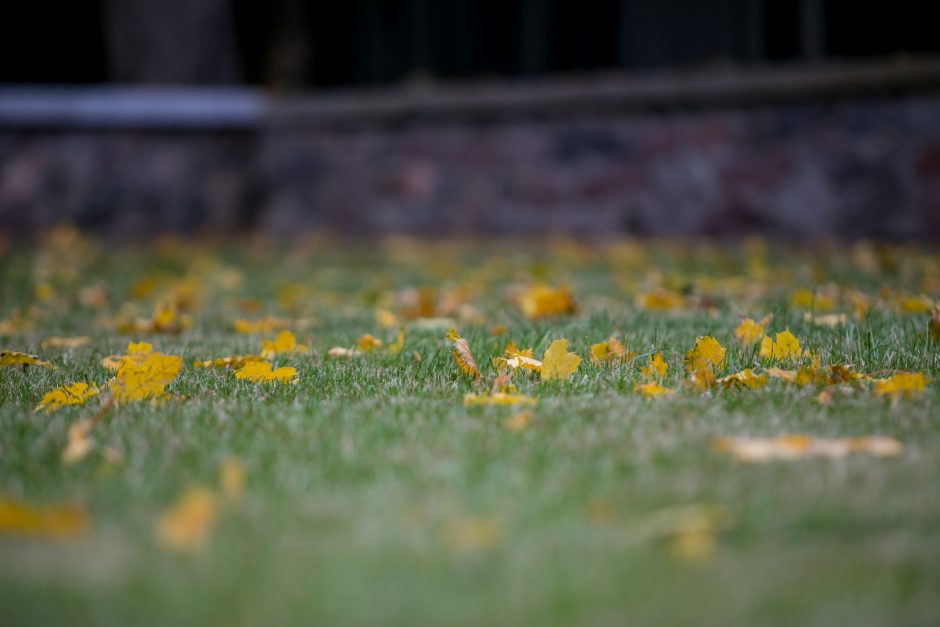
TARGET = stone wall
(859,167)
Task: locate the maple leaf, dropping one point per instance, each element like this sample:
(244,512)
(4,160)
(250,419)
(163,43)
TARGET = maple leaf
(462,355)
(143,375)
(57,521)
(558,363)
(656,367)
(789,447)
(746,379)
(187,524)
(653,389)
(73,394)
(513,358)
(284,342)
(611,351)
(14,358)
(367,343)
(749,331)
(901,385)
(706,354)
(784,348)
(66,342)
(542,301)
(261,371)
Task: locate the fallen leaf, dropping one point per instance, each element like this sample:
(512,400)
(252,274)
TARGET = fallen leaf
(558,363)
(462,355)
(653,389)
(706,354)
(901,385)
(745,379)
(542,301)
(235,361)
(143,376)
(497,398)
(784,348)
(14,358)
(73,394)
(750,331)
(262,371)
(655,369)
(367,343)
(611,351)
(284,343)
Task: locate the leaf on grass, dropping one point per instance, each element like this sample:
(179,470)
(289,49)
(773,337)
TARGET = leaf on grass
(706,354)
(269,324)
(558,363)
(72,394)
(788,447)
(655,369)
(826,320)
(514,359)
(386,319)
(497,398)
(187,524)
(66,342)
(56,521)
(542,301)
(653,389)
(784,348)
(744,379)
(462,355)
(611,351)
(262,371)
(367,343)
(395,347)
(166,319)
(901,385)
(750,331)
(284,342)
(143,375)
(660,300)
(14,358)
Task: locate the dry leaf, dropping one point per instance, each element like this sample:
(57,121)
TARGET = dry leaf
(262,371)
(143,376)
(462,355)
(73,394)
(13,358)
(706,354)
(558,363)
(368,343)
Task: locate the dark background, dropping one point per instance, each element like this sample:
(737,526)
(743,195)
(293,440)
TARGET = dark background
(297,44)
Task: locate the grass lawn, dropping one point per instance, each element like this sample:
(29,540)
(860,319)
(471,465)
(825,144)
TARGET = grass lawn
(372,494)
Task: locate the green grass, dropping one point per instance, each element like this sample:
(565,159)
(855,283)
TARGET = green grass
(357,475)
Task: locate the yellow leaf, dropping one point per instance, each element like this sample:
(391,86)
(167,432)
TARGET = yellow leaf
(187,524)
(706,354)
(611,352)
(13,358)
(143,376)
(656,367)
(784,348)
(368,343)
(66,342)
(788,447)
(386,319)
(462,355)
(284,342)
(264,325)
(73,394)
(261,371)
(497,398)
(542,301)
(660,300)
(749,331)
(653,389)
(746,378)
(514,359)
(558,363)
(395,347)
(901,385)
(703,379)
(59,521)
